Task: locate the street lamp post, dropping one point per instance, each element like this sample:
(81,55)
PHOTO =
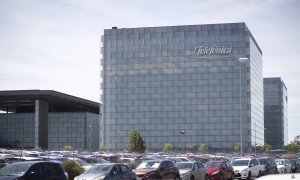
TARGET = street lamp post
(241,60)
(181,132)
(255,137)
(90,137)
(265,133)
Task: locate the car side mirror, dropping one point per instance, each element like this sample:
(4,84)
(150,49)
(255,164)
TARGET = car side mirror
(114,173)
(162,168)
(251,165)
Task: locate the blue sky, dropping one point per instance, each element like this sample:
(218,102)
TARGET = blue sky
(56,44)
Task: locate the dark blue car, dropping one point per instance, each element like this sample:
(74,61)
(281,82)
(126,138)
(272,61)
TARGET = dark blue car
(33,170)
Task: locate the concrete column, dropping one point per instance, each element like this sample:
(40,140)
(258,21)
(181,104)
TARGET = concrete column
(41,124)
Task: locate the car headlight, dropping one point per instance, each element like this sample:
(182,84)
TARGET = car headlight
(150,174)
(216,172)
(99,178)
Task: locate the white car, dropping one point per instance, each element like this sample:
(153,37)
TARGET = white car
(245,168)
(283,166)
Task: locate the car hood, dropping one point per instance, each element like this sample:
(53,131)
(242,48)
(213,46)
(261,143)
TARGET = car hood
(142,171)
(89,176)
(86,167)
(239,168)
(211,170)
(8,177)
(181,171)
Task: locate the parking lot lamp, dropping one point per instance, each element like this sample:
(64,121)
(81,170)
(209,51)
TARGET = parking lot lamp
(182,133)
(241,60)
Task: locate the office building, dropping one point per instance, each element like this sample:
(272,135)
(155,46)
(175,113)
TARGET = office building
(47,119)
(276,112)
(166,80)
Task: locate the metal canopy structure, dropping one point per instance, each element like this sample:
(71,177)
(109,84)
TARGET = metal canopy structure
(23,101)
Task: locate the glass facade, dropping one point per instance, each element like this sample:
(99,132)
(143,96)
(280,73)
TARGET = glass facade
(80,130)
(162,80)
(276,112)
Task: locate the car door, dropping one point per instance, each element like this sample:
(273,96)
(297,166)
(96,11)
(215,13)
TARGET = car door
(196,170)
(164,170)
(115,173)
(202,171)
(252,168)
(257,167)
(50,172)
(125,173)
(35,172)
(224,170)
(273,166)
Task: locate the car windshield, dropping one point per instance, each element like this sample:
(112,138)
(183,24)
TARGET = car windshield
(149,165)
(240,163)
(213,164)
(280,162)
(98,169)
(81,162)
(184,165)
(14,169)
(263,161)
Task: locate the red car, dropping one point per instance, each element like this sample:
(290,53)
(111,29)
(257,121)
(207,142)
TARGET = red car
(219,170)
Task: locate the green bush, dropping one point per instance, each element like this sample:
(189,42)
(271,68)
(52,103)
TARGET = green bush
(68,148)
(72,168)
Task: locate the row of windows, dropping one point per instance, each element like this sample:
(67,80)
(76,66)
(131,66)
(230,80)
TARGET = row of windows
(124,34)
(228,26)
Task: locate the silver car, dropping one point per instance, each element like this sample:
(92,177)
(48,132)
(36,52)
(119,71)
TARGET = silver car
(192,171)
(113,171)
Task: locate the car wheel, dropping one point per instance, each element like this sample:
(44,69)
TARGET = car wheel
(249,176)
(232,176)
(177,178)
(259,174)
(192,178)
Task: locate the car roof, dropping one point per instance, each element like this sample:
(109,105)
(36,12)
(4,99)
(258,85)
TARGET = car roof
(248,159)
(187,162)
(32,162)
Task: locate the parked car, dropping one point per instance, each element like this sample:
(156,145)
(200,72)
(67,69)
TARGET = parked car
(192,171)
(219,170)
(295,165)
(246,168)
(283,166)
(108,171)
(33,170)
(268,165)
(164,169)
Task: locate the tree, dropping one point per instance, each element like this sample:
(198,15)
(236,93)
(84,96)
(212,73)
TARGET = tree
(103,148)
(136,142)
(267,148)
(292,148)
(168,148)
(237,147)
(202,148)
